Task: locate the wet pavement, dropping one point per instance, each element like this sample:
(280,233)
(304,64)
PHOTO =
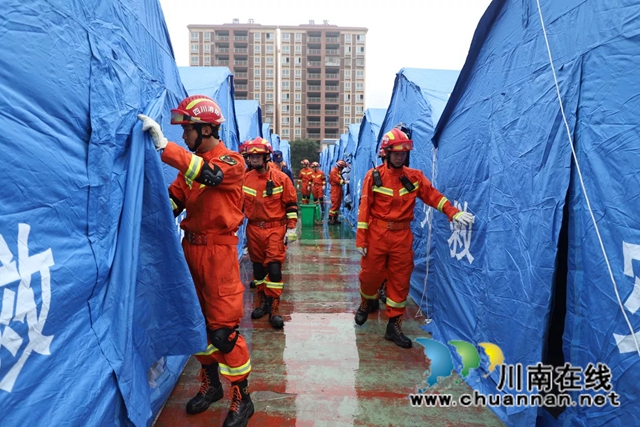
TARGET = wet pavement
(322,369)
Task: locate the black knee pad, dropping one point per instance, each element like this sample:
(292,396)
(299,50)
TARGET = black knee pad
(258,271)
(275,273)
(220,339)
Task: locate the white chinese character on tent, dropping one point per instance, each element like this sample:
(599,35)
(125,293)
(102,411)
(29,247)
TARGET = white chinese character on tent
(460,239)
(19,304)
(630,252)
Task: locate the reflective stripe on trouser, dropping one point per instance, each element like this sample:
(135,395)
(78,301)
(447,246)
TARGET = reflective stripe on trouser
(216,275)
(336,199)
(265,246)
(390,248)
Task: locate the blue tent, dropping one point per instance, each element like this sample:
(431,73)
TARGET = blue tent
(249,118)
(504,153)
(216,83)
(275,141)
(348,210)
(365,154)
(266,131)
(418,99)
(94,289)
(285,147)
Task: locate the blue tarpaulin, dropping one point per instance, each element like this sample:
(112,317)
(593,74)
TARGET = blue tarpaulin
(216,83)
(349,189)
(94,288)
(266,131)
(366,154)
(275,141)
(285,147)
(504,153)
(249,118)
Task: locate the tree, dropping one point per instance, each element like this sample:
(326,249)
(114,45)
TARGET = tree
(304,148)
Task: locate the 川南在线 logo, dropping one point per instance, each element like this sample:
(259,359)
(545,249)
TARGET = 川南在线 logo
(442,362)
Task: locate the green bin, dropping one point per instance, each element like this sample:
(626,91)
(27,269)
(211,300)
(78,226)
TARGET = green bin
(308,213)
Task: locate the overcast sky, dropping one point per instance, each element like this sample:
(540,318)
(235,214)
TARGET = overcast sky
(402,33)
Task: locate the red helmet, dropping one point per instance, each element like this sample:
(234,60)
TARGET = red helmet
(304,162)
(341,164)
(197,109)
(243,148)
(258,146)
(315,165)
(382,154)
(396,140)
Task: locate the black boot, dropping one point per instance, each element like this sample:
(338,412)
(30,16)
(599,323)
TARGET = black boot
(382,292)
(366,306)
(394,333)
(261,306)
(253,285)
(274,313)
(210,390)
(241,405)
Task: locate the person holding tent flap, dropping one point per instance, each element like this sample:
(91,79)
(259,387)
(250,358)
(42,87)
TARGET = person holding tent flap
(271,208)
(304,181)
(384,236)
(336,181)
(209,187)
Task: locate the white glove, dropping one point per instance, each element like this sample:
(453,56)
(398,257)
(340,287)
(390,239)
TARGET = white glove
(362,251)
(148,124)
(290,236)
(463,219)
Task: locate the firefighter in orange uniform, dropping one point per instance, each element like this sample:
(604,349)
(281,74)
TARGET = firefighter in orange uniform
(384,234)
(304,181)
(382,291)
(318,182)
(271,208)
(209,187)
(336,181)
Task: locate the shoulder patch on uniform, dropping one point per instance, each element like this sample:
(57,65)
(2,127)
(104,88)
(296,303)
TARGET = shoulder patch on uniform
(229,160)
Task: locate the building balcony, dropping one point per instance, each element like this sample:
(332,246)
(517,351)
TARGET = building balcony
(240,50)
(332,62)
(314,39)
(332,76)
(315,99)
(314,51)
(314,63)
(316,88)
(332,40)
(241,75)
(314,75)
(240,62)
(222,62)
(312,112)
(240,38)
(240,87)
(331,52)
(222,38)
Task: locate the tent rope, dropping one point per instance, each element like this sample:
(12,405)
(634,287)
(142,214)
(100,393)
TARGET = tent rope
(584,190)
(424,298)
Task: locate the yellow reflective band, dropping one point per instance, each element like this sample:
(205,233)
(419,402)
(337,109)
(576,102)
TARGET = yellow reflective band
(248,190)
(341,181)
(194,167)
(275,191)
(390,135)
(274,285)
(375,296)
(173,205)
(259,282)
(392,303)
(383,190)
(456,216)
(234,372)
(404,191)
(195,102)
(208,352)
(442,202)
(332,212)
(292,215)
(363,225)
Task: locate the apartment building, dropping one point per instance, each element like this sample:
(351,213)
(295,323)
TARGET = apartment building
(309,79)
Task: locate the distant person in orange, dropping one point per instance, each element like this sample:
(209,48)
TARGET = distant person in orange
(384,236)
(209,187)
(336,181)
(318,182)
(304,179)
(271,207)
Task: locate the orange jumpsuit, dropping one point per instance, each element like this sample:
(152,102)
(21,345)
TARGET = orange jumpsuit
(268,220)
(318,180)
(336,181)
(214,214)
(304,178)
(384,228)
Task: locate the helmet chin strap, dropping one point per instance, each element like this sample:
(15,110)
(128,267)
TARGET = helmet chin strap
(198,129)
